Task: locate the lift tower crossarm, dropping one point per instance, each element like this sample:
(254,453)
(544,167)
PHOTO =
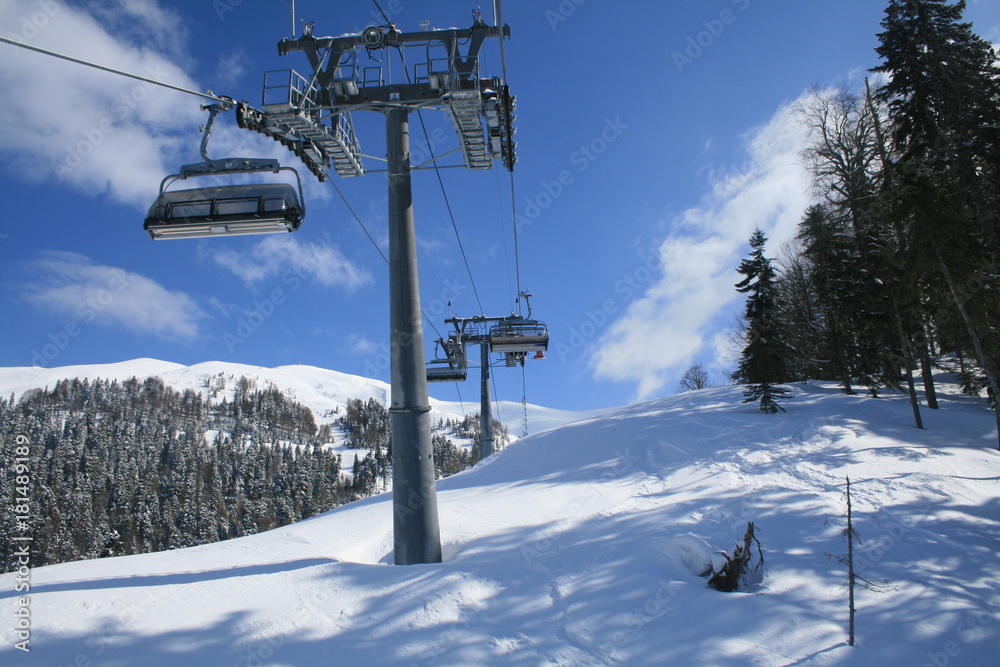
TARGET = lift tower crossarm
(311,46)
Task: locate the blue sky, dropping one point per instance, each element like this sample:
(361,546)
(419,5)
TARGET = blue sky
(652,138)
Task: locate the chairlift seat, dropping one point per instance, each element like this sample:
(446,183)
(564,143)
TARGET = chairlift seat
(227,210)
(443,371)
(519,337)
(231,209)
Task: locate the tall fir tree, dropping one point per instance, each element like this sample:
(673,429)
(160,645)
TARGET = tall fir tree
(762,364)
(943,95)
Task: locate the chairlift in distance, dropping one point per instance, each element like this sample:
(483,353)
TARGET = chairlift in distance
(226,210)
(444,370)
(516,334)
(454,367)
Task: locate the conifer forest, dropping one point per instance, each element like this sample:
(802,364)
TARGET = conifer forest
(135,467)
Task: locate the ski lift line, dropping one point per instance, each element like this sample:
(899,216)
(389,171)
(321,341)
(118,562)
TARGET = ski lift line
(375,243)
(438,157)
(451,215)
(498,22)
(358,219)
(112,70)
(496,398)
(379,8)
(461,403)
(444,193)
(370,238)
(503,231)
(517,251)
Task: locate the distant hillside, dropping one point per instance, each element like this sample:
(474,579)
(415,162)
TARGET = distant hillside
(120,465)
(325,392)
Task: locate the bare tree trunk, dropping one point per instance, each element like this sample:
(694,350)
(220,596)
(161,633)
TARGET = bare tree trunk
(977,343)
(927,372)
(907,366)
(850,566)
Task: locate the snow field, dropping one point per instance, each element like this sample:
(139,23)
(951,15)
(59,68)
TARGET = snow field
(582,545)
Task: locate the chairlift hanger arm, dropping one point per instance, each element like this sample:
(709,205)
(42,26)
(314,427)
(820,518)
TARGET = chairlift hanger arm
(213,111)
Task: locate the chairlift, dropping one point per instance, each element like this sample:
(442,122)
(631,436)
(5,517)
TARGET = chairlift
(443,370)
(225,210)
(262,208)
(519,335)
(454,367)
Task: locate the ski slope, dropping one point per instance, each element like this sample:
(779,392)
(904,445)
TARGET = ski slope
(580,545)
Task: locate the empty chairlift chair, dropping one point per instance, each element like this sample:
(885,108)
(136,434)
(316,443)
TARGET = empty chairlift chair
(263,208)
(443,370)
(519,336)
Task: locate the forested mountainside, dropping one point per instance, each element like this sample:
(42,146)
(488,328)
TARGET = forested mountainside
(116,468)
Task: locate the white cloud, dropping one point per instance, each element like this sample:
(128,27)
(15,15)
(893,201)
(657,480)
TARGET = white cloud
(145,23)
(276,256)
(102,133)
(95,131)
(230,68)
(72,285)
(682,310)
(361,345)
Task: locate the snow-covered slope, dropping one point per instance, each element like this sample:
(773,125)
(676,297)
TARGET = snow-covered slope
(322,391)
(576,546)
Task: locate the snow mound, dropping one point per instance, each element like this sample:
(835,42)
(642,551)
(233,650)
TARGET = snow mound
(691,552)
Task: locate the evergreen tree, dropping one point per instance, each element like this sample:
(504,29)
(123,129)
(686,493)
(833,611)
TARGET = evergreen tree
(762,364)
(943,186)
